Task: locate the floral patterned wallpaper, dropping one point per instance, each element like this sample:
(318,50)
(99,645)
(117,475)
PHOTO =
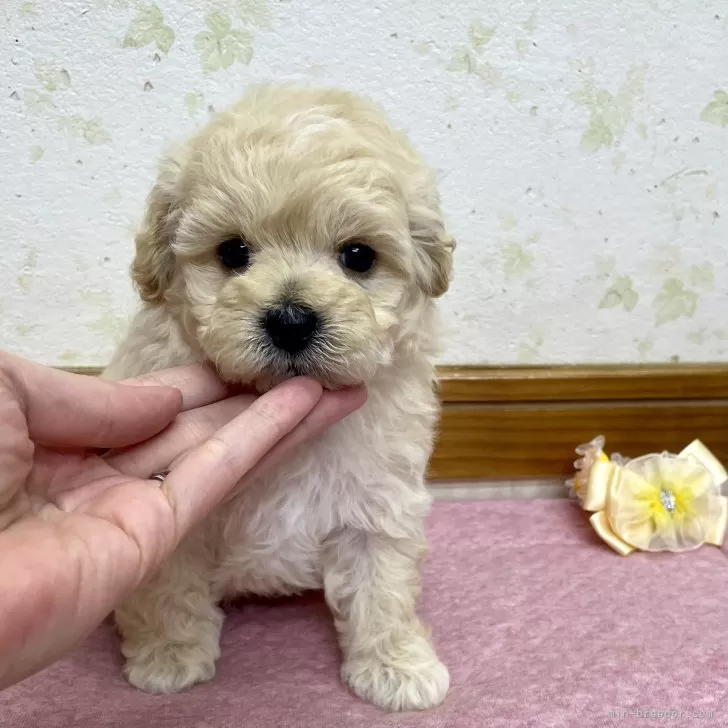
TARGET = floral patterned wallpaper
(582,152)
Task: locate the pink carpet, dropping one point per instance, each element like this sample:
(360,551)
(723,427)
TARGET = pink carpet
(540,624)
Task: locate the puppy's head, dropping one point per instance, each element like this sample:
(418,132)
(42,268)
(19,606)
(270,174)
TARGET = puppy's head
(297,233)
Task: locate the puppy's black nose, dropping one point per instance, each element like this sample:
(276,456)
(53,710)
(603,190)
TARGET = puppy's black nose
(291,327)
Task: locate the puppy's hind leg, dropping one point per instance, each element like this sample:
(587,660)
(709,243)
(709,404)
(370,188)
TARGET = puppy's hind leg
(170,626)
(372,584)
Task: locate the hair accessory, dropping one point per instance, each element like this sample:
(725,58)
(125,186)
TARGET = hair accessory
(662,502)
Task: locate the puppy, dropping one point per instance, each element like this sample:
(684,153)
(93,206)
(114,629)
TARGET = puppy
(299,234)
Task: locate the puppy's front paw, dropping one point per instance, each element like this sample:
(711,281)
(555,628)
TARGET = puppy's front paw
(403,679)
(170,668)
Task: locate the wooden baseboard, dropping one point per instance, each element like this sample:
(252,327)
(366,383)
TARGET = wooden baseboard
(512,423)
(525,422)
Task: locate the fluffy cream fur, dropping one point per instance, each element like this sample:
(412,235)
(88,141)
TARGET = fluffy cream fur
(297,173)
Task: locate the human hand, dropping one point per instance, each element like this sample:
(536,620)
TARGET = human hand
(79,531)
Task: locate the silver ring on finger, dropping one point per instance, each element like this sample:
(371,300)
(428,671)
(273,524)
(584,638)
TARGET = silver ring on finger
(160,476)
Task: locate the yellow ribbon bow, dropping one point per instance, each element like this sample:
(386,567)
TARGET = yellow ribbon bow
(655,502)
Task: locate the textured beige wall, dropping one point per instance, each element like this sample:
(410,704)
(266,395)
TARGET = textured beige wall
(583,156)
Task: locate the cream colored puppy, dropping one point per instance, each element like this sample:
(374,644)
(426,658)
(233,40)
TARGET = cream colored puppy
(299,234)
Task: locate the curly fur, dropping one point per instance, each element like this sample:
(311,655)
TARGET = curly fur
(297,172)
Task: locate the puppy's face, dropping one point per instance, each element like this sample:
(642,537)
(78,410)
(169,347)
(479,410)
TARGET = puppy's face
(297,234)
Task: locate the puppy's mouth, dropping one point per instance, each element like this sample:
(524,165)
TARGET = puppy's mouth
(289,342)
(283,366)
(293,366)
(296,341)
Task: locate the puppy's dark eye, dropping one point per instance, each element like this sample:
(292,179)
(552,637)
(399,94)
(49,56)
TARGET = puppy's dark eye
(234,253)
(357,257)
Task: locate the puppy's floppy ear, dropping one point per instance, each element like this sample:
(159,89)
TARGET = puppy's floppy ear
(433,245)
(153,264)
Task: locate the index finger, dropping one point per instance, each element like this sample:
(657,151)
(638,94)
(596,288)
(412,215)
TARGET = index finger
(201,479)
(199,383)
(76,410)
